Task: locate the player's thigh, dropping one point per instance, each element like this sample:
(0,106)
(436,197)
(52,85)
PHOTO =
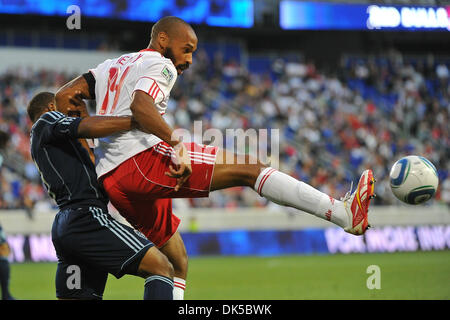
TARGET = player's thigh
(153,217)
(175,251)
(94,237)
(232,170)
(76,280)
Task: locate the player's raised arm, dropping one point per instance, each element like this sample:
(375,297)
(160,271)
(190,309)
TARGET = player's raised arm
(69,98)
(150,120)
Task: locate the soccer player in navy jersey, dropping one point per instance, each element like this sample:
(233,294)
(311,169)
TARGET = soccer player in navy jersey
(89,243)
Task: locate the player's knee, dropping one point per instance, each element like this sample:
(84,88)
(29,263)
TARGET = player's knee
(247,171)
(163,267)
(154,262)
(181,264)
(167,269)
(253,170)
(175,251)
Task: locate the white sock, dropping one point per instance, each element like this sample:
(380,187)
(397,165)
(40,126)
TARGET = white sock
(179,285)
(282,189)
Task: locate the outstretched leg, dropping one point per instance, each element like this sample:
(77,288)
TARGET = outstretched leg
(231,170)
(350,213)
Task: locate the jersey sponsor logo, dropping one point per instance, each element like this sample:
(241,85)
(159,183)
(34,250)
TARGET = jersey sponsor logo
(167,74)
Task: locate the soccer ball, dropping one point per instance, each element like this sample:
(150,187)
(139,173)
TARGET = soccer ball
(414,179)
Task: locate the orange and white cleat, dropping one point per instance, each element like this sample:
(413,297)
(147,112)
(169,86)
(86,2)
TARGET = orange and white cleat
(357,204)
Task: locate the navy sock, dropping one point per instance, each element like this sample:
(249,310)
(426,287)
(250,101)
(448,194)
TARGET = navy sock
(4,279)
(158,288)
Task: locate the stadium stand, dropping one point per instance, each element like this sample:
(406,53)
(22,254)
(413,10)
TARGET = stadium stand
(388,105)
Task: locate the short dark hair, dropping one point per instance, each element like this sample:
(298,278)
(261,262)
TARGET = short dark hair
(168,25)
(38,103)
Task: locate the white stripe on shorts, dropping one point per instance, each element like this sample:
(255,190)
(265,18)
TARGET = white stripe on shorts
(197,156)
(206,155)
(201,159)
(132,237)
(115,228)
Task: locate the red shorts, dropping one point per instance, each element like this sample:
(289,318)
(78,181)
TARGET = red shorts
(139,189)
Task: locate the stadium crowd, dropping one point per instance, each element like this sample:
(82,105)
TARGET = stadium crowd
(368,113)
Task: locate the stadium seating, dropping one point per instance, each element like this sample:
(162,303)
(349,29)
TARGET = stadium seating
(384,107)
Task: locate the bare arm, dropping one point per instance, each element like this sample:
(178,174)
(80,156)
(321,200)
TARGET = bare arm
(147,116)
(98,127)
(69,98)
(149,120)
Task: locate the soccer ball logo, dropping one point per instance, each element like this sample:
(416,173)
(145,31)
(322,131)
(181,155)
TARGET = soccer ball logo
(414,179)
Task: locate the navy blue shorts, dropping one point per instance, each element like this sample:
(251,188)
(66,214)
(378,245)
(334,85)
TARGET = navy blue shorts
(89,244)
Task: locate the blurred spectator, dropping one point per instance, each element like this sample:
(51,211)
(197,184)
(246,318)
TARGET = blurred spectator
(20,185)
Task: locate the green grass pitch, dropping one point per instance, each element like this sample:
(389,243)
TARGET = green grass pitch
(418,275)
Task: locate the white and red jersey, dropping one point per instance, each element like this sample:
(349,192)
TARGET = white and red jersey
(115,82)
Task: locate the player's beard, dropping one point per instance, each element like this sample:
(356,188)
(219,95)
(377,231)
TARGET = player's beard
(168,53)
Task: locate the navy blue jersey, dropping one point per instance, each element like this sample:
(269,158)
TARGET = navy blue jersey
(63,163)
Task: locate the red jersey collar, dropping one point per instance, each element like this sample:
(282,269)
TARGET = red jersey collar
(143,50)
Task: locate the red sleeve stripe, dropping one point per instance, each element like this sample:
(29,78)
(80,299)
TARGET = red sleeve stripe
(152,87)
(155,93)
(154,90)
(263,180)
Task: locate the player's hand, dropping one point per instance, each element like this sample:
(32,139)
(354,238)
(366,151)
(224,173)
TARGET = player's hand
(183,169)
(76,106)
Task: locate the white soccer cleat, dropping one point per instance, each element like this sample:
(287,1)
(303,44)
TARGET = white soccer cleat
(357,204)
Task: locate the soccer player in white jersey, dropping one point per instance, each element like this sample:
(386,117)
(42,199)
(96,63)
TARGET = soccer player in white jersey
(141,172)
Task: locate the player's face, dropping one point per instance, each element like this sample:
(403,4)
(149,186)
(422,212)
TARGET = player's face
(181,48)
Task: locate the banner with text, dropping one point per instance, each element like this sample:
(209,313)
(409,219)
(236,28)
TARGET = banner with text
(39,248)
(296,15)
